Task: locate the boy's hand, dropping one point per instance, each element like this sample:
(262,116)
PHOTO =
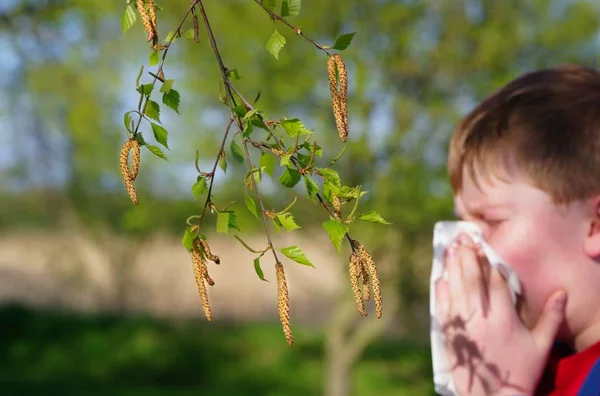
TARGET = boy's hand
(490,350)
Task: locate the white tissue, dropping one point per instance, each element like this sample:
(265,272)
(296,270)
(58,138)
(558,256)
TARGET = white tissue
(445,232)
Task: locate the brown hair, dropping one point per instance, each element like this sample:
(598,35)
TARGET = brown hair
(547,122)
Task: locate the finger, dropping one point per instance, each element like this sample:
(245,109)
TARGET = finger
(550,321)
(499,292)
(455,280)
(442,299)
(476,288)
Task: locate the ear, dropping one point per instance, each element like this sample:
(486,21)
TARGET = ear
(592,241)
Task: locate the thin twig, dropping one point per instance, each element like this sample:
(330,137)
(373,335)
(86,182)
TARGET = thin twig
(294,28)
(212,172)
(162,62)
(231,100)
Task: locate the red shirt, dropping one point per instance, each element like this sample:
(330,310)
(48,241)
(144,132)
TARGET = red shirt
(567,372)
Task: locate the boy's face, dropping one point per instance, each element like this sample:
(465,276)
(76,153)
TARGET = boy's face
(542,241)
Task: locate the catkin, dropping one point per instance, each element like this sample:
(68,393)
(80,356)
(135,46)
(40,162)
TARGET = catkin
(283,303)
(207,251)
(354,282)
(366,287)
(337,206)
(146,19)
(339,98)
(367,262)
(200,273)
(135,159)
(126,174)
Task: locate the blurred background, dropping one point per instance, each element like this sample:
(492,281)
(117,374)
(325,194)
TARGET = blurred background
(98,296)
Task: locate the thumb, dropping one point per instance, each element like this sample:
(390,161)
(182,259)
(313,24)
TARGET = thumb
(549,322)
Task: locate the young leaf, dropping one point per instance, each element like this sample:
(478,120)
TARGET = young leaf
(275,44)
(311,187)
(296,254)
(233,74)
(189,34)
(237,152)
(294,127)
(153,58)
(140,139)
(285,160)
(167,85)
(223,222)
(270,4)
(336,231)
(127,120)
(223,162)
(199,187)
(287,221)
(250,114)
(290,7)
(129,18)
(331,176)
(156,151)
(240,110)
(247,130)
(160,134)
(171,100)
(258,270)
(267,162)
(251,205)
(373,217)
(145,89)
(311,148)
(152,110)
(232,220)
(277,224)
(343,41)
(289,178)
(188,239)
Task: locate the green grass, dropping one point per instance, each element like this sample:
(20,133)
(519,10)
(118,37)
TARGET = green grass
(46,353)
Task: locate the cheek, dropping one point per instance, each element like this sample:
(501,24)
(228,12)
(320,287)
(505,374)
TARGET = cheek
(531,256)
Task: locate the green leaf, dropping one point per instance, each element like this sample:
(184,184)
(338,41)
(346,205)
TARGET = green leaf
(275,43)
(239,110)
(129,18)
(289,178)
(331,176)
(296,254)
(250,114)
(188,239)
(270,4)
(189,34)
(291,7)
(199,187)
(156,151)
(343,41)
(153,58)
(373,217)
(311,187)
(251,205)
(287,221)
(160,134)
(268,162)
(170,35)
(223,222)
(152,110)
(145,89)
(336,231)
(311,148)
(247,130)
(257,268)
(140,139)
(237,152)
(167,85)
(223,163)
(294,127)
(171,100)
(233,74)
(285,160)
(127,121)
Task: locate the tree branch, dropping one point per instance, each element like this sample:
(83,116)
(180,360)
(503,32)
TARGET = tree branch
(294,28)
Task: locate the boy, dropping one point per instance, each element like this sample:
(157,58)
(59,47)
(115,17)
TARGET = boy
(524,165)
